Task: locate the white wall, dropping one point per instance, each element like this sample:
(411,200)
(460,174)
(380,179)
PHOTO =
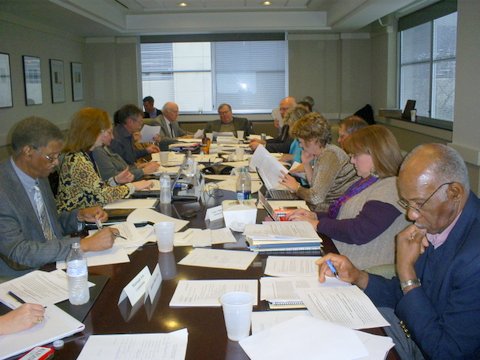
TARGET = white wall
(17,38)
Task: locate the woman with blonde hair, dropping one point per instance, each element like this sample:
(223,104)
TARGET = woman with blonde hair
(363,221)
(80,184)
(327,167)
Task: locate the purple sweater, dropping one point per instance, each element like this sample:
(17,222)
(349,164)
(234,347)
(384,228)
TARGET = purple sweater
(374,219)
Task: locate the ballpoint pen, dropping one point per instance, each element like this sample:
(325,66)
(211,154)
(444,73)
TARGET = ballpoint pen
(99,223)
(16,297)
(120,236)
(332,268)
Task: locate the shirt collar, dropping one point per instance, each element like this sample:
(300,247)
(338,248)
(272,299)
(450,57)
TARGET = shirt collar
(27,181)
(438,239)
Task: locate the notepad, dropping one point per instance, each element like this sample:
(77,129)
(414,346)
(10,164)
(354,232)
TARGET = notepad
(57,324)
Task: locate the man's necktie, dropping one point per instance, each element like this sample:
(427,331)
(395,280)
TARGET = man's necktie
(171,130)
(43,215)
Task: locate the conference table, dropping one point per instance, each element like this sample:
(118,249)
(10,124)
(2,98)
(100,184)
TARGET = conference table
(207,338)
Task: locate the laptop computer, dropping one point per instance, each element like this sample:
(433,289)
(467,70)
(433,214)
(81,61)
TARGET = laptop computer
(275,194)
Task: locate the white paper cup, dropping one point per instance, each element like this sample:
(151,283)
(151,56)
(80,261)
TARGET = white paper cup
(237,311)
(413,115)
(163,158)
(240,134)
(210,136)
(239,153)
(164,231)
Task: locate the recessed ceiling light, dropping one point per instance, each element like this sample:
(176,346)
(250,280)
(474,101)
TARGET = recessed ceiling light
(182,4)
(266,3)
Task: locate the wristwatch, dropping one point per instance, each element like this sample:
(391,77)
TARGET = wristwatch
(411,282)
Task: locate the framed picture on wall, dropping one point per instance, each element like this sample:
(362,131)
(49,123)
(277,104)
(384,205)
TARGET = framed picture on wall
(5,82)
(77,81)
(33,80)
(57,81)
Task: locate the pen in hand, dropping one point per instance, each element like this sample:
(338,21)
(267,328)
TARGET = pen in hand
(99,223)
(16,297)
(120,236)
(332,268)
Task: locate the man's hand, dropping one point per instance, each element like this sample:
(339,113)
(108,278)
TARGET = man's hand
(345,269)
(101,240)
(124,177)
(150,167)
(91,214)
(410,243)
(152,149)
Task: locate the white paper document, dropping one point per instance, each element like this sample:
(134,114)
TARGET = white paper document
(57,324)
(150,215)
(346,306)
(38,287)
(148,132)
(231,185)
(262,320)
(115,255)
(281,231)
(171,346)
(131,204)
(220,259)
(305,338)
(291,266)
(286,204)
(196,293)
(283,292)
(269,168)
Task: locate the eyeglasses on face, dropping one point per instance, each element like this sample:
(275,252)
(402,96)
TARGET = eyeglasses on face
(50,157)
(418,207)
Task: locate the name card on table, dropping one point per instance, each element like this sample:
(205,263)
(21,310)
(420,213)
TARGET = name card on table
(153,284)
(137,287)
(214,213)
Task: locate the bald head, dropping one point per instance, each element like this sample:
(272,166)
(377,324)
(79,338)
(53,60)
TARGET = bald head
(286,104)
(170,111)
(435,162)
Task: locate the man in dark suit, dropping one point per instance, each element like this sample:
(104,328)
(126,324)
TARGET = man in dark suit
(228,122)
(436,295)
(32,233)
(150,110)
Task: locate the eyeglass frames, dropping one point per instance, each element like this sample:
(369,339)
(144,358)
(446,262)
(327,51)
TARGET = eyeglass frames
(403,203)
(50,158)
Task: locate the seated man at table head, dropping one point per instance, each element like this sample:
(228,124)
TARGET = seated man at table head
(170,129)
(129,119)
(283,141)
(228,122)
(32,233)
(437,292)
(150,110)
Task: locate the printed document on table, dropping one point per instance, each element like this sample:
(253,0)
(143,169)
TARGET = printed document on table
(281,230)
(220,259)
(38,287)
(292,339)
(57,324)
(377,346)
(346,306)
(150,215)
(291,266)
(131,204)
(115,255)
(286,204)
(171,346)
(195,293)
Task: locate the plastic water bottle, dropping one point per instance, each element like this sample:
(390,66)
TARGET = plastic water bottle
(77,273)
(165,191)
(189,165)
(244,184)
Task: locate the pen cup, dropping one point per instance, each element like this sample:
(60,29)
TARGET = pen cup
(164,232)
(237,311)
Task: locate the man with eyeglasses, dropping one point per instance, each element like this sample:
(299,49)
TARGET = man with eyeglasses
(228,122)
(32,233)
(436,294)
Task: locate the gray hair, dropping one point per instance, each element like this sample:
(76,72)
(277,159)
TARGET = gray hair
(34,131)
(447,164)
(295,114)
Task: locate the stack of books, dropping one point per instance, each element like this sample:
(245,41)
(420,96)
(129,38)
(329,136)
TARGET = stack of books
(289,236)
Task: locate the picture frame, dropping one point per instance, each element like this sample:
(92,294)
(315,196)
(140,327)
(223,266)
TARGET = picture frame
(33,80)
(57,81)
(77,81)
(6,99)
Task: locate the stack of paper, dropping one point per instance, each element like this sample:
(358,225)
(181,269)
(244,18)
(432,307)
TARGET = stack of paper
(282,236)
(292,339)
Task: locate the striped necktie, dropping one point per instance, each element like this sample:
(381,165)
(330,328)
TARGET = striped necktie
(43,215)
(171,130)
